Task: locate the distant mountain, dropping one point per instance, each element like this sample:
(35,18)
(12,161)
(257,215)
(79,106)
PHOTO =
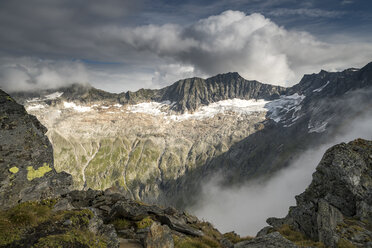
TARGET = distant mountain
(188,94)
(160,145)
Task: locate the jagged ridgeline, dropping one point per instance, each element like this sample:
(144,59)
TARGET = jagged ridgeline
(159,145)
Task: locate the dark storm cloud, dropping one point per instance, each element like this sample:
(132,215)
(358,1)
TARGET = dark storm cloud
(44,27)
(154,43)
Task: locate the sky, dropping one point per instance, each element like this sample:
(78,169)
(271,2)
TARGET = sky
(121,45)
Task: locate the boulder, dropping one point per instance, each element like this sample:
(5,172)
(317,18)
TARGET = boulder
(159,236)
(272,240)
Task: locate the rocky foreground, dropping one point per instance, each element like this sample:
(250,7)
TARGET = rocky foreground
(39,210)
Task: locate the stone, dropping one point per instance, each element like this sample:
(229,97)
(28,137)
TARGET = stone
(123,209)
(179,225)
(159,236)
(328,217)
(272,240)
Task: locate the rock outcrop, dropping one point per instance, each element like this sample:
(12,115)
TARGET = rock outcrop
(26,157)
(336,208)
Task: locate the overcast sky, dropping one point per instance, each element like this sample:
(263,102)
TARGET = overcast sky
(120,45)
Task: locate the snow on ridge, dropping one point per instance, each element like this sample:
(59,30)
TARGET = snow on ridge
(35,107)
(152,108)
(321,88)
(54,95)
(238,106)
(235,105)
(75,107)
(280,107)
(277,108)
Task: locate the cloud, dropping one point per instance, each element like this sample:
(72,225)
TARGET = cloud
(29,74)
(245,209)
(252,45)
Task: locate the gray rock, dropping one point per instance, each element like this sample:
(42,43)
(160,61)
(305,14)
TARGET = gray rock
(328,217)
(62,204)
(225,243)
(26,158)
(123,209)
(159,236)
(179,224)
(272,240)
(339,194)
(264,231)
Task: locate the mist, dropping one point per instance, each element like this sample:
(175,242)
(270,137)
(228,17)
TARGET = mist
(245,209)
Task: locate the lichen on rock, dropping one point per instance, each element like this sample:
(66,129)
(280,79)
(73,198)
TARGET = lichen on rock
(39,172)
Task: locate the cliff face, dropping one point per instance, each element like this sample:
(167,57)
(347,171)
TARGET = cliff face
(26,157)
(336,209)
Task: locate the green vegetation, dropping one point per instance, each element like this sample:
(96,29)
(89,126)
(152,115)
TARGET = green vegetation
(297,237)
(145,222)
(14,221)
(121,224)
(235,238)
(26,218)
(71,239)
(343,243)
(188,242)
(39,172)
(209,240)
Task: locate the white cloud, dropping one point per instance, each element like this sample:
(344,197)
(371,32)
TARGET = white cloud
(251,44)
(153,56)
(32,73)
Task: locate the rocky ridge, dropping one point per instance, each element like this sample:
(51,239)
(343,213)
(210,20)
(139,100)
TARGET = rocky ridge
(26,157)
(335,209)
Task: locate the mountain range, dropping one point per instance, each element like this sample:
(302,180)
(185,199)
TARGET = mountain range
(39,208)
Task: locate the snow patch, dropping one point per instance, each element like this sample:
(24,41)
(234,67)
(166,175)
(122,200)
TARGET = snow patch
(280,107)
(321,88)
(238,106)
(319,128)
(35,107)
(54,95)
(75,107)
(277,108)
(151,108)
